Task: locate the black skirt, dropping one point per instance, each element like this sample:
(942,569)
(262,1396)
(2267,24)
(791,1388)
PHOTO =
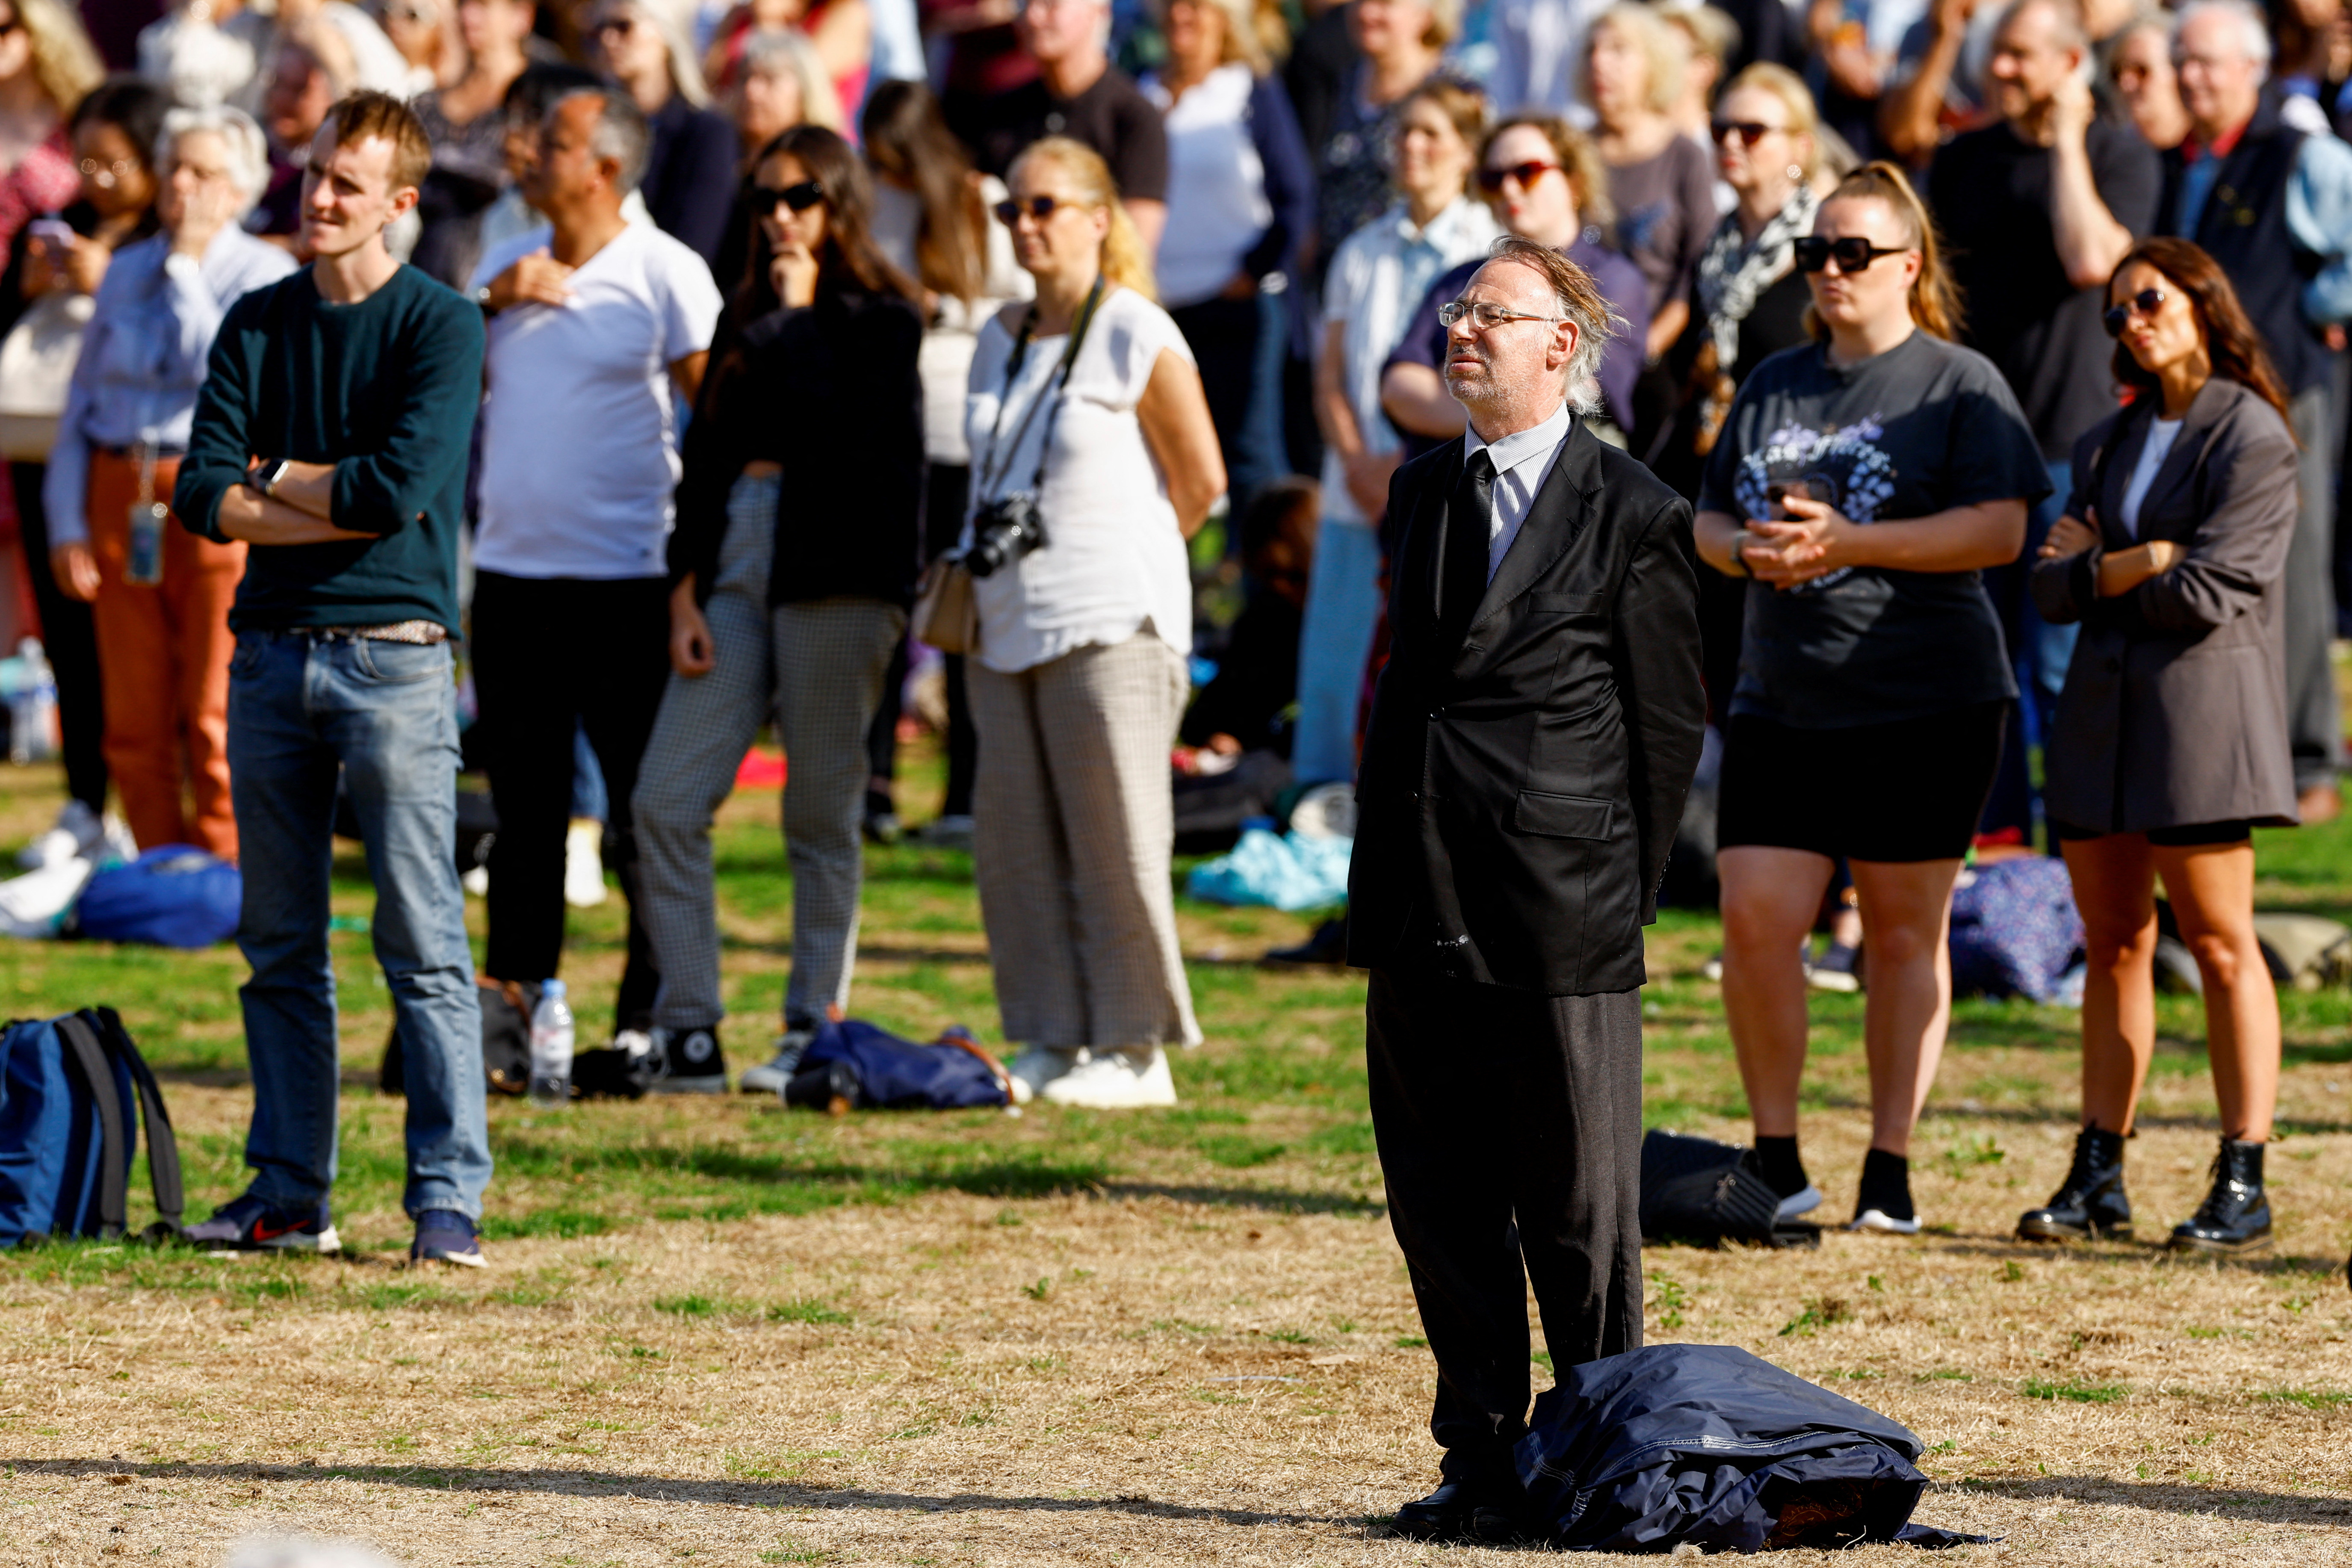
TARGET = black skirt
(1909,791)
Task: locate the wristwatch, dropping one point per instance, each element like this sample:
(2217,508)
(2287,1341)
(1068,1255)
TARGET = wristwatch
(267,474)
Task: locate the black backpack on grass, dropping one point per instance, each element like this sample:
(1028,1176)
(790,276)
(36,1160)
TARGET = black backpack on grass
(1697,1190)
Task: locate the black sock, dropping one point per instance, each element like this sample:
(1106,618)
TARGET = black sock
(1885,1186)
(1777,1163)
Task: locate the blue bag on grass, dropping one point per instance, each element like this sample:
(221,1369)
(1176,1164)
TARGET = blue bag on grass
(2015,930)
(177,896)
(862,1064)
(71,1092)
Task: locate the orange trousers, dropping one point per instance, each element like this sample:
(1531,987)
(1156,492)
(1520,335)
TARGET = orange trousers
(163,655)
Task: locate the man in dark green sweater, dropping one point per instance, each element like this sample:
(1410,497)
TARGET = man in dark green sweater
(331,437)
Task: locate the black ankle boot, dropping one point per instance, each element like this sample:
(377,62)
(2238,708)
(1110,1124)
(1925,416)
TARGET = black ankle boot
(2090,1203)
(2236,1214)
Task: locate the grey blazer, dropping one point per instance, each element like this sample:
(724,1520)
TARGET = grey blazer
(2174,710)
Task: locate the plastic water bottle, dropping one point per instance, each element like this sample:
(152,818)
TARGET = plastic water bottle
(32,692)
(551,1048)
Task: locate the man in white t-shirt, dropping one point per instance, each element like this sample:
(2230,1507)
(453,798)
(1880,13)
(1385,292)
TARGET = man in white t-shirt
(596,332)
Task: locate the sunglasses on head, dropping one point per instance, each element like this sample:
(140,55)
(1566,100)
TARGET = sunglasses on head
(1853,253)
(1009,213)
(1526,175)
(763,199)
(1750,131)
(2146,302)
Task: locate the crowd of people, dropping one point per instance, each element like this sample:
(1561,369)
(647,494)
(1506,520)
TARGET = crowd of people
(684,367)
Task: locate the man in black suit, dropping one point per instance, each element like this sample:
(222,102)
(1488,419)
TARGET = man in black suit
(1531,745)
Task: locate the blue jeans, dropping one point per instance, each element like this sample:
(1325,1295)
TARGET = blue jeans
(384,715)
(1343,610)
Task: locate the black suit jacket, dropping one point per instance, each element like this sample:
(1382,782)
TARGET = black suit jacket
(1521,787)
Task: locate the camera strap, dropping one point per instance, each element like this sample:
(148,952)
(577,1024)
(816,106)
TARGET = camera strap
(992,474)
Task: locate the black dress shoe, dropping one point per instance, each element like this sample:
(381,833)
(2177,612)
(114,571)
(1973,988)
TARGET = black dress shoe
(2236,1214)
(1328,945)
(1463,1511)
(2090,1202)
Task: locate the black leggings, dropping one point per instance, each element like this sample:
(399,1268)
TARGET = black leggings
(70,639)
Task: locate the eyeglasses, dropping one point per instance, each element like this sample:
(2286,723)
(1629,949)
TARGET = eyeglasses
(1853,254)
(763,199)
(1486,318)
(1039,207)
(1750,131)
(105,176)
(1526,175)
(2146,302)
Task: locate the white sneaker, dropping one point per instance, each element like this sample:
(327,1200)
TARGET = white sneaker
(770,1077)
(1116,1081)
(476,882)
(77,832)
(1038,1066)
(1879,1221)
(1805,1202)
(583,864)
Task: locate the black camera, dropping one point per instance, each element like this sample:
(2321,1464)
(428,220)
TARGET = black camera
(1003,531)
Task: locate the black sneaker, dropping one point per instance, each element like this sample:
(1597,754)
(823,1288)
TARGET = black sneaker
(249,1222)
(1328,945)
(444,1236)
(688,1061)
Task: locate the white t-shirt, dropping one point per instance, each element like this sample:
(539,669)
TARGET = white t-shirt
(1113,561)
(1217,205)
(2161,436)
(580,428)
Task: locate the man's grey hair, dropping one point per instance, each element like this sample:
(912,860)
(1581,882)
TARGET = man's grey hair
(1581,301)
(621,132)
(2253,31)
(246,148)
(2065,21)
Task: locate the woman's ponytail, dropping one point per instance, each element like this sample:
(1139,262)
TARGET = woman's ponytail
(1934,299)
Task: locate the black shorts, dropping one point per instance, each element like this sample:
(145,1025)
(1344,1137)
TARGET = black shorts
(2189,835)
(1908,790)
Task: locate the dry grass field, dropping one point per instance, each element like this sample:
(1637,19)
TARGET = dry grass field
(716,1331)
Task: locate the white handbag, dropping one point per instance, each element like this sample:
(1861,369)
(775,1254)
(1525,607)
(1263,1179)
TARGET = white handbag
(37,366)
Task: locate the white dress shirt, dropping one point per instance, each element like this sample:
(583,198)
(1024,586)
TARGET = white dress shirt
(1522,462)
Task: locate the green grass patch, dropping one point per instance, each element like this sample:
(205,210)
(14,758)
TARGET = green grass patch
(2073,1392)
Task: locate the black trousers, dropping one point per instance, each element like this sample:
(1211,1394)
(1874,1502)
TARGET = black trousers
(553,656)
(1509,1127)
(70,639)
(1223,334)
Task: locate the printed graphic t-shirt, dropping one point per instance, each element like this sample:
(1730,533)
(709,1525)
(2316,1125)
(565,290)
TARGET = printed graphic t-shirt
(1926,426)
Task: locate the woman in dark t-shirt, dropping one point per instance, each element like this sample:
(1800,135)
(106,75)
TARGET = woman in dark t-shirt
(1862,481)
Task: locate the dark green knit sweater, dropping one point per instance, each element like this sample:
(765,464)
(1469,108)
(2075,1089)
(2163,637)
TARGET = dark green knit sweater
(385,390)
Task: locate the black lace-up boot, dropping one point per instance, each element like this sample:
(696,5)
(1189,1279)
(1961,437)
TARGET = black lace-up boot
(2090,1203)
(2236,1214)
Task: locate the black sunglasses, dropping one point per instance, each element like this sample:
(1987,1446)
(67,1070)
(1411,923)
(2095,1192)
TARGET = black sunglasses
(2146,302)
(1853,253)
(764,200)
(1750,131)
(1009,213)
(1491,180)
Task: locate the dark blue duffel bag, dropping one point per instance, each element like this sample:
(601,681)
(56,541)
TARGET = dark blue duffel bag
(852,1063)
(1711,1445)
(71,1092)
(175,896)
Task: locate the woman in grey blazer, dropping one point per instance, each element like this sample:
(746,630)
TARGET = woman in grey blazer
(2171,742)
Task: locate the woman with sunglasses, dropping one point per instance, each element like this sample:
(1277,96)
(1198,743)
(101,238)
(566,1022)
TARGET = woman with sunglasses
(689,177)
(1086,418)
(2171,742)
(793,565)
(1863,482)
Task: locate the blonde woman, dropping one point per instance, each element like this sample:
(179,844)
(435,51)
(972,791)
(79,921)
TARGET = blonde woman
(1862,480)
(47,65)
(1659,180)
(1086,415)
(782,83)
(690,179)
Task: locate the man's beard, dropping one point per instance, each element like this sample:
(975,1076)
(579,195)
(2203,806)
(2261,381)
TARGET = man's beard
(1492,387)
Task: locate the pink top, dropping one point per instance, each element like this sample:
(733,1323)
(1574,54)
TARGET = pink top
(44,181)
